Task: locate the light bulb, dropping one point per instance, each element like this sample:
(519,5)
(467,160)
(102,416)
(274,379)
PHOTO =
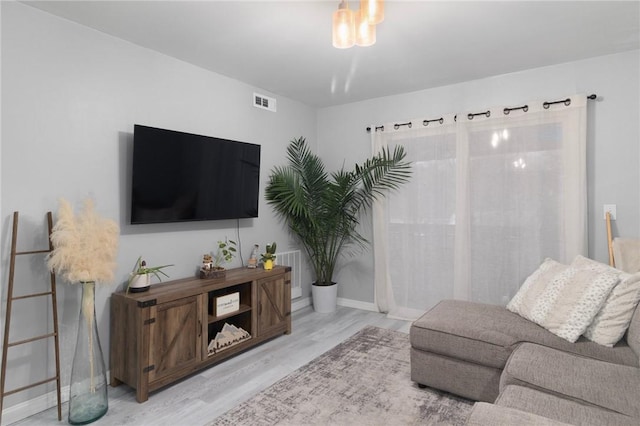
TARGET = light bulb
(343,27)
(365,32)
(373,10)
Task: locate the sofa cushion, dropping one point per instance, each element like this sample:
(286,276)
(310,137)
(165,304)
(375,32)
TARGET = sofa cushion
(610,324)
(611,386)
(633,333)
(560,409)
(564,300)
(484,414)
(466,331)
(467,379)
(487,334)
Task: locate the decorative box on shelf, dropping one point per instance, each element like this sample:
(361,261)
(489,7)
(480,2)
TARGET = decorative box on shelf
(212,273)
(226,304)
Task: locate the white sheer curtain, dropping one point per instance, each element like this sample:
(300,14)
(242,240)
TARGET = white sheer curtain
(490,198)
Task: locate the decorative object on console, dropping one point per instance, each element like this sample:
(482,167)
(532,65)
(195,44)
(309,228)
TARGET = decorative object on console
(140,277)
(252,263)
(212,264)
(229,336)
(84,251)
(227,304)
(207,270)
(269,256)
(324,210)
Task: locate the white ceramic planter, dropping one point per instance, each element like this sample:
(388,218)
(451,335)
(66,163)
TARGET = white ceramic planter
(324,298)
(140,283)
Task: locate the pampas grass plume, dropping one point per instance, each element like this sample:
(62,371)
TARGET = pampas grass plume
(84,246)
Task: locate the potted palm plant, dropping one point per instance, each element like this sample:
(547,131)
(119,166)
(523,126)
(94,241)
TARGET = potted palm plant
(323,210)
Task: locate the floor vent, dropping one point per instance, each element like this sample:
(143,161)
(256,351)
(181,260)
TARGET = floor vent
(292,258)
(264,102)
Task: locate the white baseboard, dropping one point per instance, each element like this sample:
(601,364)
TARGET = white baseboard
(350,303)
(34,406)
(298,304)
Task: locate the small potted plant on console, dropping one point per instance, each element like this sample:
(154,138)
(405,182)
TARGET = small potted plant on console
(140,277)
(212,264)
(269,256)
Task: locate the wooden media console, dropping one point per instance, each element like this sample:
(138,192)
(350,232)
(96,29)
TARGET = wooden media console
(164,334)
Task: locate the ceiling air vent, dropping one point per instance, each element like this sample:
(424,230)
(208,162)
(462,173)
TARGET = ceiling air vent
(264,102)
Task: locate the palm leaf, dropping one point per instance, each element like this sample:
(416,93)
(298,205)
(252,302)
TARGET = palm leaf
(323,210)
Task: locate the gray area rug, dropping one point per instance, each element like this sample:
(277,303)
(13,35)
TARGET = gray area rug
(365,380)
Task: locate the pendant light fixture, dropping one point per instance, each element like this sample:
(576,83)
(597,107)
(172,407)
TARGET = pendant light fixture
(373,10)
(343,27)
(365,31)
(357,27)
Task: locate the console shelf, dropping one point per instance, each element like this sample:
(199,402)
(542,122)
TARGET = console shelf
(243,308)
(162,335)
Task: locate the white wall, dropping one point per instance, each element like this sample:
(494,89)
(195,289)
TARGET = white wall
(613,137)
(71,96)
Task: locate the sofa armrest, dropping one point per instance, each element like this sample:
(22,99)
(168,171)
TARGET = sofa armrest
(494,415)
(611,386)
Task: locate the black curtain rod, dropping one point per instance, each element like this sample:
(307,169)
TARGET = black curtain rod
(524,108)
(487,113)
(397,126)
(426,122)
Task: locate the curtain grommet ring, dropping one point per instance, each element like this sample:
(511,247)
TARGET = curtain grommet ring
(471,115)
(439,120)
(524,108)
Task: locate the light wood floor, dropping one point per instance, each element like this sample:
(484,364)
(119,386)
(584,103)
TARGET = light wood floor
(208,394)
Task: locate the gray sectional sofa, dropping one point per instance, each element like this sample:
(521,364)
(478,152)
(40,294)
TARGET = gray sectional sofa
(521,373)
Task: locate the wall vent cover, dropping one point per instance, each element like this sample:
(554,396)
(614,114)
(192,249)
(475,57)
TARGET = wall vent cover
(292,258)
(264,102)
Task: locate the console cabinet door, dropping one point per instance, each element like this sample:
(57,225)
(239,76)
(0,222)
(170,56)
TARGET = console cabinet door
(273,305)
(175,337)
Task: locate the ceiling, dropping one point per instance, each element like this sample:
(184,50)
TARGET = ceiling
(284,47)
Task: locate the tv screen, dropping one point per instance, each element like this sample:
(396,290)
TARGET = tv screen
(180,176)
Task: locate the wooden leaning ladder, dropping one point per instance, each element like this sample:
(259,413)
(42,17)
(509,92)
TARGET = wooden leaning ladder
(7,325)
(607,218)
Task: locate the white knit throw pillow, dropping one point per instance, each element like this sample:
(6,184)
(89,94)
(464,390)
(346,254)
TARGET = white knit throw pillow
(612,321)
(563,299)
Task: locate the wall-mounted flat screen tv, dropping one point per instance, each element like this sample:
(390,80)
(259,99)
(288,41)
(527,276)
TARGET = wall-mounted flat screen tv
(180,177)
